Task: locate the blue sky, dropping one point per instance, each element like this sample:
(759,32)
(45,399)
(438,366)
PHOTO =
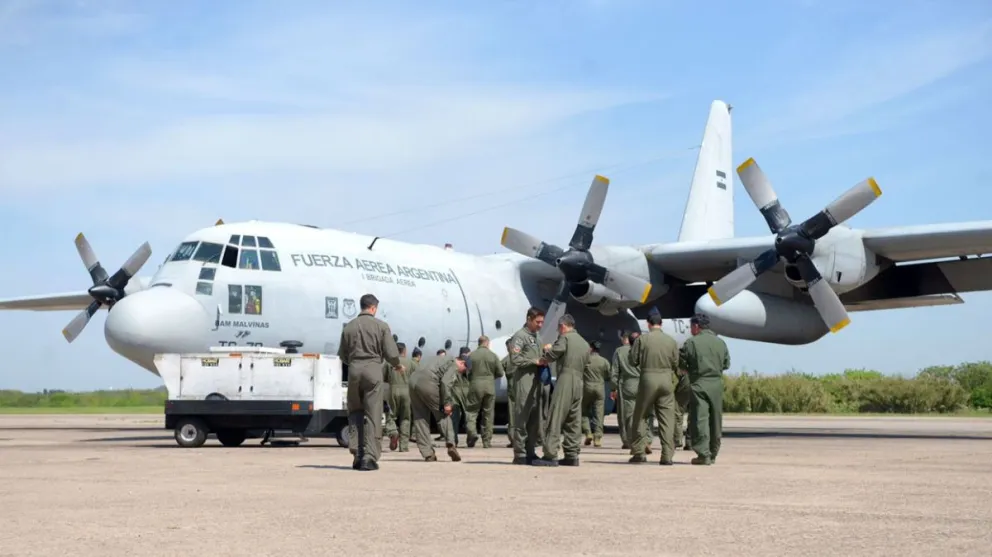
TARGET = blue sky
(135,121)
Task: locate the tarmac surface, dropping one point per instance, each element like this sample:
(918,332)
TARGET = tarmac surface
(119,485)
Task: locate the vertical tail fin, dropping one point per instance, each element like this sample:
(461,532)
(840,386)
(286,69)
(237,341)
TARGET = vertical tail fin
(709,212)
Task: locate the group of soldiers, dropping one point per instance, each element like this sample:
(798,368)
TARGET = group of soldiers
(650,377)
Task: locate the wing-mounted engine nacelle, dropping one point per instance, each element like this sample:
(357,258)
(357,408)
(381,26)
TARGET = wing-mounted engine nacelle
(599,297)
(842,260)
(764,318)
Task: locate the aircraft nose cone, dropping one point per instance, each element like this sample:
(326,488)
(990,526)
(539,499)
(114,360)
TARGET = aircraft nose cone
(160,319)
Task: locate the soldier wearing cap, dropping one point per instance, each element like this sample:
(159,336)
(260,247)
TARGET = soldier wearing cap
(704,357)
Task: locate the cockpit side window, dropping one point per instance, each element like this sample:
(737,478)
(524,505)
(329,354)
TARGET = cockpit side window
(208,253)
(264,242)
(184,252)
(230,258)
(248,241)
(249,259)
(270,260)
(235,239)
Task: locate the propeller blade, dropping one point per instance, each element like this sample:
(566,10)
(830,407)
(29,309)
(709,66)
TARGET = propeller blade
(130,267)
(740,278)
(763,196)
(549,331)
(842,208)
(525,244)
(591,210)
(626,285)
(93,267)
(79,322)
(827,303)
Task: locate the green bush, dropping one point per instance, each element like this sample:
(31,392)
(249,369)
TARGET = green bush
(128,398)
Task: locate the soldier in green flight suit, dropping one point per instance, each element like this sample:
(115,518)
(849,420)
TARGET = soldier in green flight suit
(399,402)
(459,397)
(704,357)
(570,353)
(430,395)
(526,358)
(510,394)
(657,354)
(683,393)
(594,378)
(486,367)
(624,379)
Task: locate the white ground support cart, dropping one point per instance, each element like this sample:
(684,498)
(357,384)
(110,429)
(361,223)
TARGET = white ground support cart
(237,393)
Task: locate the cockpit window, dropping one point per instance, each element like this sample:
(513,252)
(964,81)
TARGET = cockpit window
(264,242)
(184,251)
(235,239)
(248,241)
(249,259)
(270,260)
(208,253)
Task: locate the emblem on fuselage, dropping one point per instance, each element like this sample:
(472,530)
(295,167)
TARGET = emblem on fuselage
(348,308)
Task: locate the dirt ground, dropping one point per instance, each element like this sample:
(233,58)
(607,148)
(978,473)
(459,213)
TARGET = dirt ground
(119,485)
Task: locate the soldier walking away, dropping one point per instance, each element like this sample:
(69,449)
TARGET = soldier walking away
(399,403)
(510,395)
(365,342)
(657,355)
(570,353)
(594,378)
(431,394)
(486,367)
(704,357)
(526,358)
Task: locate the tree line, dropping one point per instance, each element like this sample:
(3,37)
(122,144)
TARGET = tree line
(937,389)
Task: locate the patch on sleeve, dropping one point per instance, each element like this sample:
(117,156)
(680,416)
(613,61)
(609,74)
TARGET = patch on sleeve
(516,349)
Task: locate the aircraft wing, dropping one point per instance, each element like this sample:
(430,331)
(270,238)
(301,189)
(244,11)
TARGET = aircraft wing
(49,302)
(705,261)
(932,241)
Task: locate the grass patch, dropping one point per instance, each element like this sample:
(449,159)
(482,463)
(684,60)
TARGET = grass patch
(84,410)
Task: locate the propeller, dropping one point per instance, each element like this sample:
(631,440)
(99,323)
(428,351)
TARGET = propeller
(576,263)
(106,290)
(795,243)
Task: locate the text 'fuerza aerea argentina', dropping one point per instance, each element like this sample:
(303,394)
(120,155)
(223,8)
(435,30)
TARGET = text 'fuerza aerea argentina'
(372,269)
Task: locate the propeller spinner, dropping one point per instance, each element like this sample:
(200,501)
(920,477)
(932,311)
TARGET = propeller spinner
(795,243)
(576,263)
(106,290)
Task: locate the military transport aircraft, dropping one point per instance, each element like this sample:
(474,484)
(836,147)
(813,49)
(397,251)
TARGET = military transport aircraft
(265,283)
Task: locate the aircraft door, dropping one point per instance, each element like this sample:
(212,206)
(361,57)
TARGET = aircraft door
(457,316)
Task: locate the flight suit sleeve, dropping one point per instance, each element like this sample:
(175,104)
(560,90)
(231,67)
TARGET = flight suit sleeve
(635,353)
(342,349)
(687,356)
(615,372)
(518,350)
(498,370)
(392,352)
(448,383)
(387,373)
(557,349)
(726,357)
(605,369)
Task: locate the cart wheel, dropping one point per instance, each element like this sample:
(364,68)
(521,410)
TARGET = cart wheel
(342,436)
(190,432)
(232,437)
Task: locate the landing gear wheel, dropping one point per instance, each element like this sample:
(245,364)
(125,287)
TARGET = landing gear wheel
(232,437)
(342,436)
(190,433)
